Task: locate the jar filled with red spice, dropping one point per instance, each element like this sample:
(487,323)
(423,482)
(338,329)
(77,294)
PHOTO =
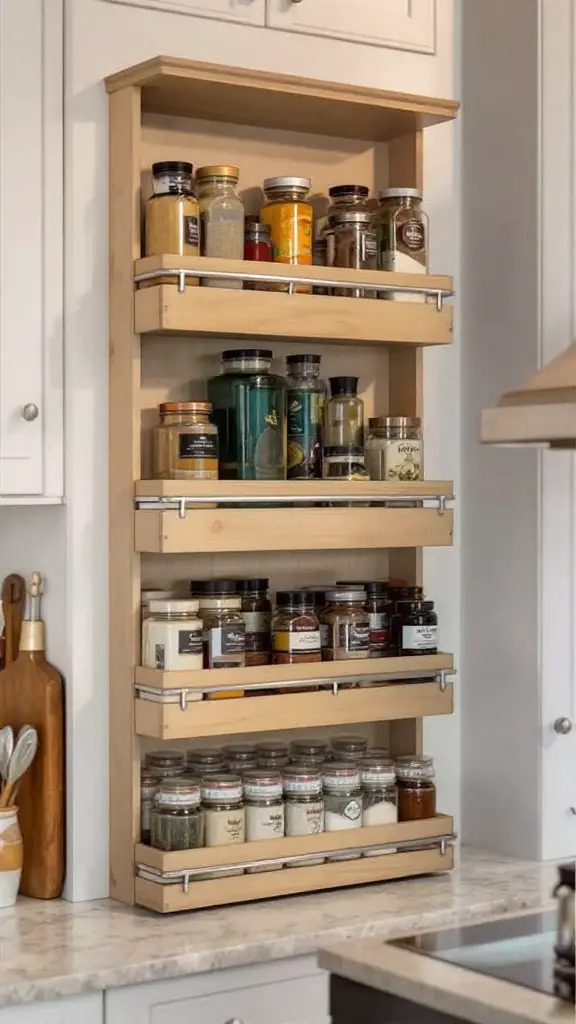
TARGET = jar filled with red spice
(295,629)
(257,247)
(416,789)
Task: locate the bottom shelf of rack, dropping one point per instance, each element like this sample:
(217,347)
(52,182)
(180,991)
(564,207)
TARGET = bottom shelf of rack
(168,882)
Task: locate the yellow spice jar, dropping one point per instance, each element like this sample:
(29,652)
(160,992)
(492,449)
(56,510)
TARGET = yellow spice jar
(172,214)
(290,216)
(186,442)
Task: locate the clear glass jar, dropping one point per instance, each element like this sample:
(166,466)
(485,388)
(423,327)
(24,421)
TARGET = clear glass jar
(415,628)
(221,217)
(295,629)
(205,761)
(250,413)
(394,448)
(166,763)
(379,608)
(148,785)
(272,754)
(351,245)
(172,637)
(156,595)
(309,750)
(416,790)
(257,614)
(380,793)
(348,199)
(224,816)
(172,216)
(344,418)
(240,757)
(177,821)
(402,229)
(263,799)
(344,462)
(258,248)
(290,216)
(305,398)
(349,748)
(186,442)
(224,628)
(342,801)
(304,806)
(348,635)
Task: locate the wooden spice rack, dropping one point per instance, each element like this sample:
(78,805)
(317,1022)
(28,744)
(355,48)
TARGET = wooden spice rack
(165,338)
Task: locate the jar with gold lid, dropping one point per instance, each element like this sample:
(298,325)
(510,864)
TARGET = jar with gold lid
(221,217)
(172,224)
(186,442)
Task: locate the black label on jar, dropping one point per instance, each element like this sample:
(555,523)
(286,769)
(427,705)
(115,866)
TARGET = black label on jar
(191,231)
(233,640)
(189,641)
(411,234)
(354,636)
(159,655)
(198,446)
(370,243)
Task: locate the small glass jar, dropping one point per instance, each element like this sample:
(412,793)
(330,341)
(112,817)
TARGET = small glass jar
(256,612)
(222,218)
(416,790)
(348,636)
(166,764)
(394,448)
(344,462)
(402,230)
(415,628)
(290,216)
(342,800)
(272,754)
(344,416)
(349,748)
(379,607)
(295,629)
(257,248)
(305,399)
(222,798)
(172,637)
(304,806)
(380,793)
(240,757)
(205,761)
(348,199)
(186,442)
(172,216)
(263,799)
(149,781)
(177,821)
(310,751)
(351,245)
(224,628)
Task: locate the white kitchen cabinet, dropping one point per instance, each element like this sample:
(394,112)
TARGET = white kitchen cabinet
(288,992)
(399,24)
(249,12)
(88,1009)
(31,250)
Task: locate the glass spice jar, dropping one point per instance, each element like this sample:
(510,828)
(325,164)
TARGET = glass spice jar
(349,748)
(344,415)
(309,750)
(415,628)
(172,215)
(257,248)
(342,801)
(224,628)
(394,448)
(272,754)
(351,245)
(256,612)
(295,629)
(263,799)
(148,785)
(348,199)
(240,757)
(348,635)
(402,229)
(222,218)
(205,761)
(344,462)
(304,806)
(224,811)
(379,607)
(177,821)
(416,790)
(186,442)
(166,763)
(290,216)
(380,794)
(305,399)
(172,637)
(404,592)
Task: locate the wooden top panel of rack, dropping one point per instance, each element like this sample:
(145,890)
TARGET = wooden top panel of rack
(290,489)
(186,88)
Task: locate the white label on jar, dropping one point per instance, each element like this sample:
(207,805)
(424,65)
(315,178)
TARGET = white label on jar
(267,789)
(177,799)
(377,776)
(264,822)
(301,786)
(222,795)
(402,460)
(354,637)
(419,638)
(305,641)
(382,813)
(352,818)
(256,622)
(339,783)
(304,819)
(223,828)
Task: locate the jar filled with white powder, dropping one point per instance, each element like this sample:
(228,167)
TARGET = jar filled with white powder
(342,800)
(172,637)
(304,805)
(264,803)
(380,794)
(224,815)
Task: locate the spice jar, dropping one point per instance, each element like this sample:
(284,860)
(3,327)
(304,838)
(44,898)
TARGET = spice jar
(258,248)
(240,757)
(348,199)
(177,821)
(166,763)
(378,605)
(225,820)
(349,626)
(295,629)
(172,214)
(148,785)
(222,218)
(344,462)
(415,628)
(309,751)
(342,800)
(305,398)
(404,592)
(416,790)
(250,413)
(349,748)
(155,595)
(402,230)
(264,808)
(344,416)
(304,806)
(224,629)
(205,761)
(272,754)
(186,442)
(394,448)
(351,244)
(290,217)
(172,637)
(380,795)
(257,613)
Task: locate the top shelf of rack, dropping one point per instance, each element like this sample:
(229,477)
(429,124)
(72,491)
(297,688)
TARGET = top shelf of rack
(214,92)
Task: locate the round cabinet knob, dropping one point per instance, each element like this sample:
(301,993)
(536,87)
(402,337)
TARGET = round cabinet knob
(30,412)
(563,726)
(296,1)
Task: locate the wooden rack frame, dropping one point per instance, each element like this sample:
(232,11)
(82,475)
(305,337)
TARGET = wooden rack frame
(157,108)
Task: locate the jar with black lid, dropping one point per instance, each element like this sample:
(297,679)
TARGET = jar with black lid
(379,608)
(224,629)
(404,592)
(272,754)
(416,790)
(256,611)
(348,198)
(295,629)
(309,751)
(415,628)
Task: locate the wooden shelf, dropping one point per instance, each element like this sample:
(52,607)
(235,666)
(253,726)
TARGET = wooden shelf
(292,489)
(186,88)
(235,715)
(290,529)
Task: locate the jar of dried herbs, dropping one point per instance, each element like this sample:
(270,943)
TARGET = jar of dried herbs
(148,786)
(186,442)
(177,822)
(172,225)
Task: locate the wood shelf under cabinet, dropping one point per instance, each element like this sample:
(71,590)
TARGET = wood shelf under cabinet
(293,490)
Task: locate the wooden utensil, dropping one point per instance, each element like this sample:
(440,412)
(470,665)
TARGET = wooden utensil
(23,754)
(6,748)
(31,692)
(13,601)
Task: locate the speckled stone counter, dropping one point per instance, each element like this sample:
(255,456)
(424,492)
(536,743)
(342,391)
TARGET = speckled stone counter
(54,949)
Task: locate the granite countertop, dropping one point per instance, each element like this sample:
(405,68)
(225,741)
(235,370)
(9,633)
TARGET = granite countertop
(54,949)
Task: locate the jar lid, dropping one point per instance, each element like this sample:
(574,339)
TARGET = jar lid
(400,193)
(404,607)
(377,754)
(337,191)
(406,593)
(294,598)
(173,607)
(346,597)
(301,779)
(350,217)
(248,586)
(165,408)
(412,766)
(334,450)
(164,758)
(230,354)
(356,743)
(178,792)
(377,772)
(148,775)
(307,357)
(314,745)
(255,229)
(340,775)
(220,587)
(272,748)
(216,788)
(287,182)
(393,421)
(258,782)
(343,385)
(218,171)
(157,595)
(204,756)
(240,751)
(171,167)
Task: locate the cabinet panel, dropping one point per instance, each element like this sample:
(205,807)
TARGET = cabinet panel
(89,1009)
(398,24)
(251,12)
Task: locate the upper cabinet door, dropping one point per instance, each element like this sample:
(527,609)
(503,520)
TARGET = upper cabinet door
(399,24)
(251,12)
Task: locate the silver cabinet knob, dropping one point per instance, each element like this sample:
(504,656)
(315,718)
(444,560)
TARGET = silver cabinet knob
(563,726)
(30,412)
